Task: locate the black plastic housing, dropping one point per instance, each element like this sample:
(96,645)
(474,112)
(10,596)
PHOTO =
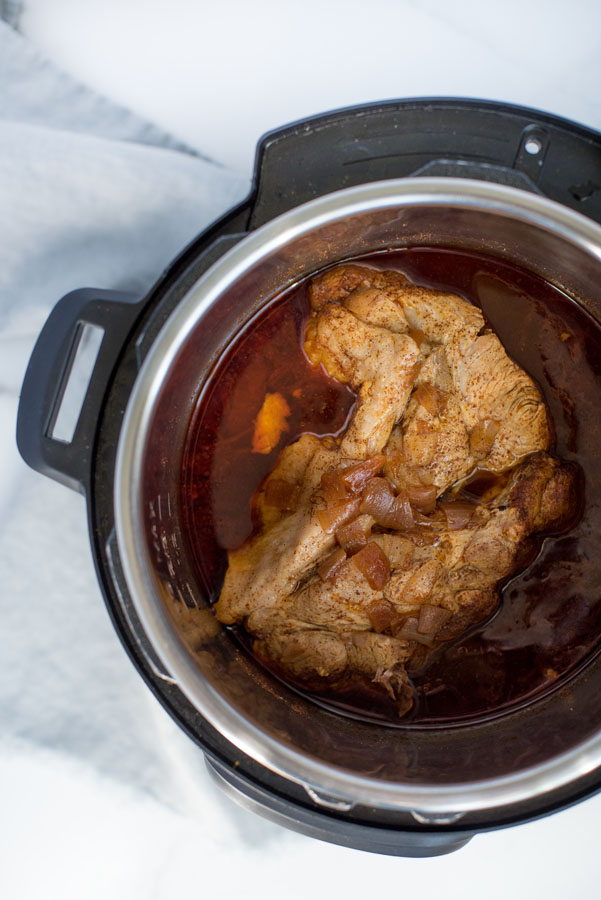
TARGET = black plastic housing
(460,138)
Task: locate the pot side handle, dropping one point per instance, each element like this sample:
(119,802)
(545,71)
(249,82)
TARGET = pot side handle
(61,401)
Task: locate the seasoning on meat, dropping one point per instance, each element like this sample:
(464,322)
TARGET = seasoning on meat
(370,555)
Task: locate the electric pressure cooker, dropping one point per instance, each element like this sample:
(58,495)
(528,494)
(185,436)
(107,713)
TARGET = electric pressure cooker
(522,185)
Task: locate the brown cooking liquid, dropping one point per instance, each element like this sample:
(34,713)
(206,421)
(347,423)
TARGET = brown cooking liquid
(549,619)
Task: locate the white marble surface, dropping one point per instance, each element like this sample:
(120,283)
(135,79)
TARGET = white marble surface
(220,74)
(141,819)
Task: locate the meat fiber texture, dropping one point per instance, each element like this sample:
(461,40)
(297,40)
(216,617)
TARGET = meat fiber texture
(371,570)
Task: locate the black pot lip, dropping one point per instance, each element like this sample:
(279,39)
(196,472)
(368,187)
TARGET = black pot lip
(475,104)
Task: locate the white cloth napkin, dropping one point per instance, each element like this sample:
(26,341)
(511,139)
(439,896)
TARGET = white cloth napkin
(90,195)
(101,795)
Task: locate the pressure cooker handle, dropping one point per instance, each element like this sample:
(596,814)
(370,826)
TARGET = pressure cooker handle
(82,323)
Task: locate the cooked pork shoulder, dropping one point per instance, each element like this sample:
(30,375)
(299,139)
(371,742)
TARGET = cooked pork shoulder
(369,555)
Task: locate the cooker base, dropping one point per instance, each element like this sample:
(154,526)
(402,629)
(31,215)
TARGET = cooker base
(317,824)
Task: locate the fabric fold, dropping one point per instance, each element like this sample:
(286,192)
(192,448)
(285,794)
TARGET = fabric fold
(91,195)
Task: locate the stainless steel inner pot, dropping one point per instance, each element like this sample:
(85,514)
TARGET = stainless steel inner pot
(437,772)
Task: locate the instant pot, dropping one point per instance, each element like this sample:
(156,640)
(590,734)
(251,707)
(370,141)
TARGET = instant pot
(516,183)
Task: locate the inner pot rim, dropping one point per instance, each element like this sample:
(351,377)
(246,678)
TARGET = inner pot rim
(461,194)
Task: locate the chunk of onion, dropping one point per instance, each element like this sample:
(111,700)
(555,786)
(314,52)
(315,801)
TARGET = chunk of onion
(354,535)
(355,477)
(333,487)
(410,632)
(422,497)
(383,616)
(458,513)
(398,516)
(373,563)
(376,498)
(432,618)
(395,468)
(332,517)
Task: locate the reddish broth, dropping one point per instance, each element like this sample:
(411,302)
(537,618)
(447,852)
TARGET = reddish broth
(549,619)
